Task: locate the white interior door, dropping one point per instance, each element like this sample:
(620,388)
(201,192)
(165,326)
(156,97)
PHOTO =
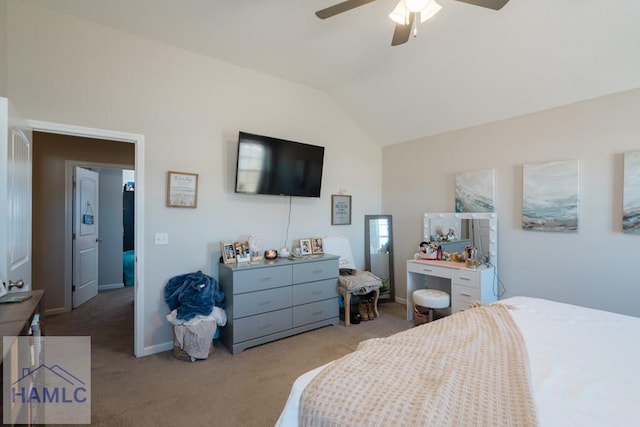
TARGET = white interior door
(15,199)
(85,235)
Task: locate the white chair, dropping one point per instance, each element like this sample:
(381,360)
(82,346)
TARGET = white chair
(360,283)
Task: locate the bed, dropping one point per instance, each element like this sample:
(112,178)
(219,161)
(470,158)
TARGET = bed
(581,367)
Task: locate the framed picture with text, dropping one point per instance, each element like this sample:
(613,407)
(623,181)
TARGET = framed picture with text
(182,189)
(340,209)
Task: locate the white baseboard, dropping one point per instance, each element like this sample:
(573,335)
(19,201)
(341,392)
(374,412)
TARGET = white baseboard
(158,348)
(401,300)
(110,286)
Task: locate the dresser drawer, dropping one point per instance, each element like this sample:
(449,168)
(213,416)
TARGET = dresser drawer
(262,324)
(262,301)
(458,306)
(315,312)
(261,278)
(464,277)
(312,271)
(464,294)
(314,291)
(429,270)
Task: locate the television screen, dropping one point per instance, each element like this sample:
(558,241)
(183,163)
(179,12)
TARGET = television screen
(268,165)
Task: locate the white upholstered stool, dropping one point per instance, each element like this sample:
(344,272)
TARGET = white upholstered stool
(428,300)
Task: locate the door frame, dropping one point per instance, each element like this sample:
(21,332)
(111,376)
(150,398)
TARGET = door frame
(138,140)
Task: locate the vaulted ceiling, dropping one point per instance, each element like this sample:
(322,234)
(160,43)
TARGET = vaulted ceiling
(467,66)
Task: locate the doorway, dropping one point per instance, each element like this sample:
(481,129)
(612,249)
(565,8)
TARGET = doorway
(54,267)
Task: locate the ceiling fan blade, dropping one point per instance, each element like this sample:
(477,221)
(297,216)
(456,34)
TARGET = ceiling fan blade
(490,4)
(402,32)
(340,7)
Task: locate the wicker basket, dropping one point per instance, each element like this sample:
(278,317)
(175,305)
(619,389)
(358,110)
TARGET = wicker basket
(420,315)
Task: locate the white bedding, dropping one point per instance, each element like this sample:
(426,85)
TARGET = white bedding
(584,365)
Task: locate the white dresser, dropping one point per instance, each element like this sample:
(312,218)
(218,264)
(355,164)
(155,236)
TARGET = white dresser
(270,300)
(467,284)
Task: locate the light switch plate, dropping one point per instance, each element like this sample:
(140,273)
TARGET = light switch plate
(162,238)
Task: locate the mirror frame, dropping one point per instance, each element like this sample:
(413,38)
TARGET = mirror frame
(493,228)
(367,255)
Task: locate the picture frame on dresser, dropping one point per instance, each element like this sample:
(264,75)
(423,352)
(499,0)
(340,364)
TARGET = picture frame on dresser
(243,252)
(228,251)
(305,246)
(317,245)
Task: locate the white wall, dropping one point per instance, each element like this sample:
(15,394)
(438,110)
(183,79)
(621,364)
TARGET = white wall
(190,109)
(596,266)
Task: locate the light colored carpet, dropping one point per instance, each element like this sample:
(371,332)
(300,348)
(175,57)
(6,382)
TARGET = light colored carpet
(248,389)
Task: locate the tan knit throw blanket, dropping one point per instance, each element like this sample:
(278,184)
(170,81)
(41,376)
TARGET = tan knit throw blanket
(468,369)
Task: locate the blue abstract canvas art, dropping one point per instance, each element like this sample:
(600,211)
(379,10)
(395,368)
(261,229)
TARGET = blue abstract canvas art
(475,191)
(551,196)
(631,197)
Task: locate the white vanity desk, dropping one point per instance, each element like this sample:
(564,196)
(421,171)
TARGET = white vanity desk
(467,284)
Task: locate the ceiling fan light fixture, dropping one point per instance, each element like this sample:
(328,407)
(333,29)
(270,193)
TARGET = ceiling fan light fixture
(431,9)
(416,5)
(403,10)
(400,14)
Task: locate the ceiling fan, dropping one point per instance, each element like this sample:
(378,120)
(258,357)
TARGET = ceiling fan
(406,14)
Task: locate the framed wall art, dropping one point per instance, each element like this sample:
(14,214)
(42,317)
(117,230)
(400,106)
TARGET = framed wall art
(182,189)
(550,198)
(340,209)
(631,193)
(475,191)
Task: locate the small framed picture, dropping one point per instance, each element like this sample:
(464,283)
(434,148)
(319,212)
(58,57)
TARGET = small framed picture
(305,247)
(243,253)
(228,251)
(317,245)
(340,209)
(182,189)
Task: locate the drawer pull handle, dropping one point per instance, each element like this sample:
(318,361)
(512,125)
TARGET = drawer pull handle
(317,271)
(316,293)
(317,313)
(428,270)
(267,302)
(465,295)
(268,325)
(265,279)
(465,278)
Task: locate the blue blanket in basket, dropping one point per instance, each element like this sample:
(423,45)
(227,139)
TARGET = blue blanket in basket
(193,294)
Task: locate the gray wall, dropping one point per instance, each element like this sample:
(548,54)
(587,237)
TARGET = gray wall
(595,266)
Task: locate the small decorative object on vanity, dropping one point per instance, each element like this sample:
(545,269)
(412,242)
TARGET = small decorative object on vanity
(284,253)
(270,254)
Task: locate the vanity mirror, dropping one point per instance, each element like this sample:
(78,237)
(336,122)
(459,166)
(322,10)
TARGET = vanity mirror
(470,228)
(378,251)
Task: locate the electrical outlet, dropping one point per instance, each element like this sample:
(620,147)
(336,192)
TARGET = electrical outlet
(162,238)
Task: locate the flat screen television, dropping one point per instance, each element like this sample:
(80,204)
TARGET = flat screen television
(268,165)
